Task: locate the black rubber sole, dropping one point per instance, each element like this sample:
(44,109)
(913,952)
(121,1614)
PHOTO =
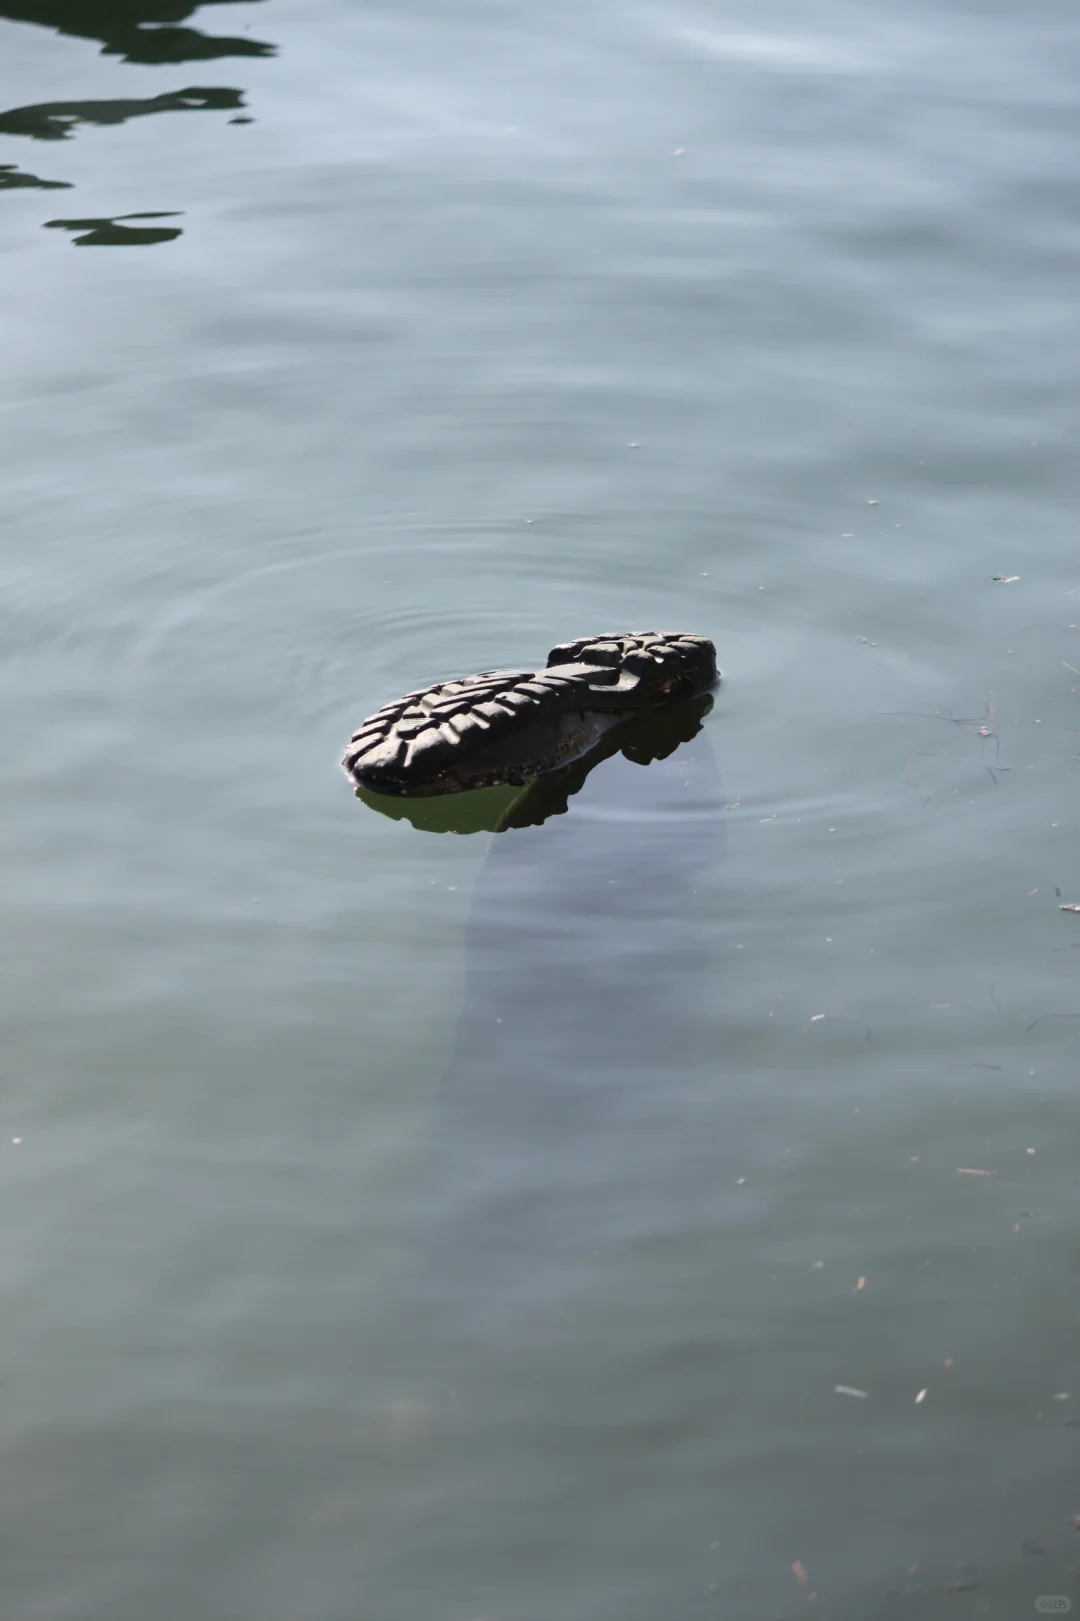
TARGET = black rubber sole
(643,738)
(508,726)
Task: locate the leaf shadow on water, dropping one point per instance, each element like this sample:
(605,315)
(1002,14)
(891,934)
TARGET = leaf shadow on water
(112,233)
(142,31)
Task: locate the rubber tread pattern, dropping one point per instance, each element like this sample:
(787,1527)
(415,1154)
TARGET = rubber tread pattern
(445,738)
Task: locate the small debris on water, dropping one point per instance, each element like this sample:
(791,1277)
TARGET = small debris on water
(1071,907)
(1004,579)
(921,1397)
(849,1390)
(860,1284)
(814,1017)
(798,1570)
(972,1170)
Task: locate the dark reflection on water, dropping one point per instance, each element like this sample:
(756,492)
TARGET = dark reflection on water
(142,31)
(14,179)
(57,120)
(642,739)
(111,233)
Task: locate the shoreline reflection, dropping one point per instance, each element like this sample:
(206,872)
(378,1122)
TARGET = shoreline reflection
(141,31)
(112,233)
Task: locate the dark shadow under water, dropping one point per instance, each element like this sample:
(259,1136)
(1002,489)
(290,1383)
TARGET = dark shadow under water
(576,1119)
(591,1174)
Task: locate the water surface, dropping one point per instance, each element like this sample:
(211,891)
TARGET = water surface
(486,327)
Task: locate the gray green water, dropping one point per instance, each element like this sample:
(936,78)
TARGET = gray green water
(494,326)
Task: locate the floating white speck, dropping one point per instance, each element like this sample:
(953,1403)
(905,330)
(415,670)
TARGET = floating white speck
(849,1390)
(921,1397)
(16,1140)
